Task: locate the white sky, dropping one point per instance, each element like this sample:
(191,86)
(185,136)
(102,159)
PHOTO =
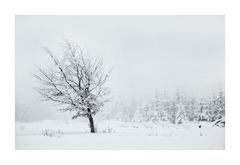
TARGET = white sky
(148,53)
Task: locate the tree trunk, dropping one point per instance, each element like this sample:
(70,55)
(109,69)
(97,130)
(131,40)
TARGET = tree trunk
(91,124)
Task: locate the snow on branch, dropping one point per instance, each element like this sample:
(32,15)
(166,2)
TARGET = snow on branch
(77,81)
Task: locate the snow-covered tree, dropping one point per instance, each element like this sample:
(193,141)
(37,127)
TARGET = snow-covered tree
(77,82)
(191,109)
(177,109)
(180,114)
(140,114)
(204,110)
(218,106)
(166,104)
(213,108)
(154,110)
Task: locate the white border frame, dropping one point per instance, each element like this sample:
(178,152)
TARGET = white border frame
(124,7)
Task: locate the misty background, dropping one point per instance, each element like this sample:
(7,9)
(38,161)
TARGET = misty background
(148,54)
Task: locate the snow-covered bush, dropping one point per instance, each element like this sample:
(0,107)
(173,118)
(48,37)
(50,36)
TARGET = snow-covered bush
(220,122)
(52,133)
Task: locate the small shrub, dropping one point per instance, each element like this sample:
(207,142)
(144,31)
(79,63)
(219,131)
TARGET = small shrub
(52,133)
(107,130)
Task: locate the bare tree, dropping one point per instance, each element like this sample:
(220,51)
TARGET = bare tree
(76,82)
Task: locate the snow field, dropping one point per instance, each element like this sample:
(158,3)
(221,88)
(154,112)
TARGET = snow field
(119,135)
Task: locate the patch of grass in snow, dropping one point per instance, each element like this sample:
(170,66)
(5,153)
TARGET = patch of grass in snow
(52,133)
(107,129)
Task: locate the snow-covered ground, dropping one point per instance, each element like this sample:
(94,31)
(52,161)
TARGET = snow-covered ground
(119,135)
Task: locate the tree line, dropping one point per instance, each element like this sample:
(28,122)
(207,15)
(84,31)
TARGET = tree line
(176,109)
